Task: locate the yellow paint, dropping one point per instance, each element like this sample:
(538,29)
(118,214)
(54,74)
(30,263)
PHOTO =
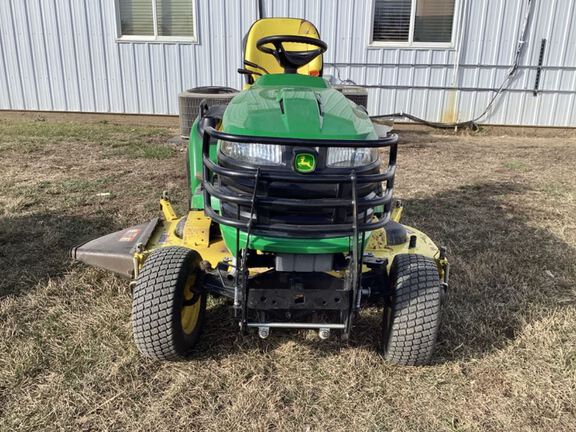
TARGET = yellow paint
(424,246)
(189,314)
(280,26)
(378,244)
(196,236)
(397,213)
(197,229)
(167,210)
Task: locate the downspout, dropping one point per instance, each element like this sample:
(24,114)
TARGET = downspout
(260,8)
(522,38)
(461,28)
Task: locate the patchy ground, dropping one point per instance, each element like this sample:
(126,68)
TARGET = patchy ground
(504,206)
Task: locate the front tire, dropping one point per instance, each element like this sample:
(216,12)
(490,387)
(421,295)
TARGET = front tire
(412,312)
(168,306)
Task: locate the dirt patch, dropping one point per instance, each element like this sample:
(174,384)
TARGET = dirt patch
(167,121)
(504,206)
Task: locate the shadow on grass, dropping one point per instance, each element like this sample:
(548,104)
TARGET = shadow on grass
(506,272)
(222,338)
(36,247)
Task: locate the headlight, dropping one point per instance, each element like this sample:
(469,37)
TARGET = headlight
(346,157)
(259,154)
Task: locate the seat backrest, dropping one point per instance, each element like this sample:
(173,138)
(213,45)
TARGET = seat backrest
(280,26)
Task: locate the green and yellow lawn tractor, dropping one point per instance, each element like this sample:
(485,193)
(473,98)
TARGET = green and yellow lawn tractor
(291,217)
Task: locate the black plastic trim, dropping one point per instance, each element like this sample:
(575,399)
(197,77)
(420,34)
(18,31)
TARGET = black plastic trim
(263,173)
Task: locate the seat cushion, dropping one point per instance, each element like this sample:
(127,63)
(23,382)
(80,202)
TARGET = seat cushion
(280,26)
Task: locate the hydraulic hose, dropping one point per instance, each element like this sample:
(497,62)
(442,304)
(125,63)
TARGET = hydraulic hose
(470,124)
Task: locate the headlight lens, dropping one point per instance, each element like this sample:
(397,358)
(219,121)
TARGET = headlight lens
(260,154)
(345,157)
(268,154)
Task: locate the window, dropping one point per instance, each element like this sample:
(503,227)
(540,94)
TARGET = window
(413,22)
(157,19)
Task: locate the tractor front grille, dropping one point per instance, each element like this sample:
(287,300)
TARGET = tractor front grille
(281,202)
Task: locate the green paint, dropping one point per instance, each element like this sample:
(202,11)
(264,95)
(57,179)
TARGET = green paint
(194,169)
(290,106)
(286,245)
(296,106)
(198,202)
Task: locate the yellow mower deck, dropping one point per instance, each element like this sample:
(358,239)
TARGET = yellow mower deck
(124,252)
(196,236)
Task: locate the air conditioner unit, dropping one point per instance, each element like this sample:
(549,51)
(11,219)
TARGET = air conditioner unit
(358,95)
(189,104)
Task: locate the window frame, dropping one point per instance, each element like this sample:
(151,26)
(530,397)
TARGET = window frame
(410,43)
(155,38)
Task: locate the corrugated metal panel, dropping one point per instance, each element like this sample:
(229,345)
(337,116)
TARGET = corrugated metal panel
(491,29)
(63,55)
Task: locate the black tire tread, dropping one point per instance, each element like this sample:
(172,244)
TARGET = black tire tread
(415,310)
(154,302)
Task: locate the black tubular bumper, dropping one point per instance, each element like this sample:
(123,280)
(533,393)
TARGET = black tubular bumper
(258,201)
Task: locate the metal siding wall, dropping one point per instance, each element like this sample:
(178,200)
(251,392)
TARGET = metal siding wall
(490,33)
(490,43)
(62,55)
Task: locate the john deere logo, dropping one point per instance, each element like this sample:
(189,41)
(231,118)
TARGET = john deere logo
(305,162)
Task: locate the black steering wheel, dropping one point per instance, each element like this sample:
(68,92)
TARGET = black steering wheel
(291,61)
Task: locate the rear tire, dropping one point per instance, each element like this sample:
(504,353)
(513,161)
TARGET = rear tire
(168,306)
(412,312)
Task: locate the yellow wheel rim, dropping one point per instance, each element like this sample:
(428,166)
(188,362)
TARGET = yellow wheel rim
(190,313)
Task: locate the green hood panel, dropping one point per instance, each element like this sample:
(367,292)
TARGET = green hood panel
(296,106)
(288,106)
(287,245)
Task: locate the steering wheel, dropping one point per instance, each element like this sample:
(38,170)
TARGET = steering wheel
(291,61)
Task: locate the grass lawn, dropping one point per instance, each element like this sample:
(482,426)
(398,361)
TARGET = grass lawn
(505,207)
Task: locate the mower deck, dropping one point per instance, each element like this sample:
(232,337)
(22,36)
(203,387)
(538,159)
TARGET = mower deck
(124,253)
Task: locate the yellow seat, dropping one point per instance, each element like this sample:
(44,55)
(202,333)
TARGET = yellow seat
(279,26)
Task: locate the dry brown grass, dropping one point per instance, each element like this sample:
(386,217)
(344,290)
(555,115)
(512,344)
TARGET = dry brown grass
(506,360)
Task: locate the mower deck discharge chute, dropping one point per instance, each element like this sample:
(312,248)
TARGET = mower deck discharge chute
(291,217)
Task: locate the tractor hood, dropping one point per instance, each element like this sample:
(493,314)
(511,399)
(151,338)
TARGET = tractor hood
(296,106)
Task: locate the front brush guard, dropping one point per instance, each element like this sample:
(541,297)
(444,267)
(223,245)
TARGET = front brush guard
(213,173)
